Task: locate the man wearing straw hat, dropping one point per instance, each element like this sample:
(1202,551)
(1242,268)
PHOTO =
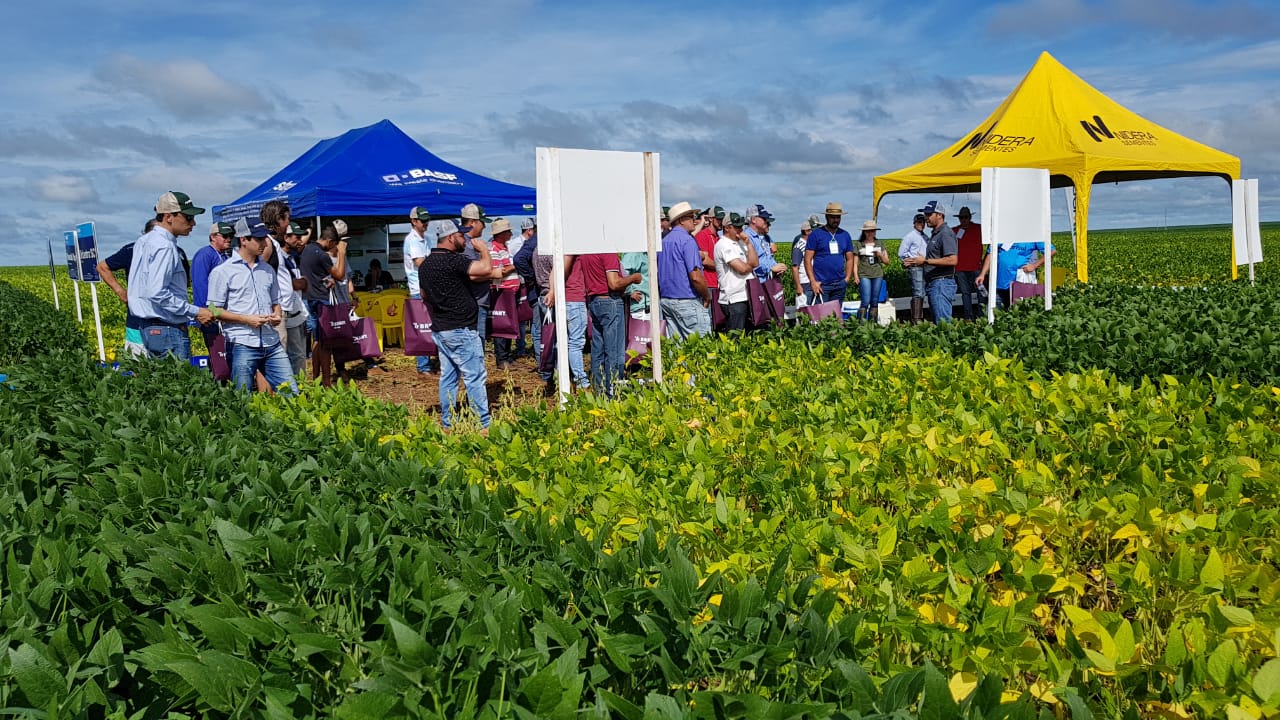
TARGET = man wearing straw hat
(828,257)
(681,284)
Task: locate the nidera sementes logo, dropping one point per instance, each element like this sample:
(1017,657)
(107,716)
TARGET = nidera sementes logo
(991,141)
(1099,131)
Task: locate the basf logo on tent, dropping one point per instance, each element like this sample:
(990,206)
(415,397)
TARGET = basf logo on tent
(416,176)
(1099,131)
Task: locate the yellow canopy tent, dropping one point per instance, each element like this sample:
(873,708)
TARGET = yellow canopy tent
(1055,120)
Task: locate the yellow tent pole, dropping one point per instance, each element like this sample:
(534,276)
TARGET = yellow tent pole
(1082,184)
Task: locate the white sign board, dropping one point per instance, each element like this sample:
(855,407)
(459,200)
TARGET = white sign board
(596,199)
(1016,209)
(1245,225)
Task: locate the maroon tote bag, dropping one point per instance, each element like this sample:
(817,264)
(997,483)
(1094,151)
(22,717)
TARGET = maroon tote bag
(776,299)
(337,330)
(417,330)
(363,346)
(757,302)
(504,321)
(218,361)
(822,310)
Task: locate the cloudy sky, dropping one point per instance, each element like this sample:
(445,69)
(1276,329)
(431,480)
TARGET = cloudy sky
(106,105)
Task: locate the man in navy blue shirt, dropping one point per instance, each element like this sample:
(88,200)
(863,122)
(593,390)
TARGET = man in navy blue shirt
(828,257)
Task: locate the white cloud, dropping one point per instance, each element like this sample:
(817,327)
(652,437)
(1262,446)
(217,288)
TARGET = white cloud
(68,189)
(205,188)
(188,89)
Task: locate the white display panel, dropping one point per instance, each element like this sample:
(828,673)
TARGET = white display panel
(594,200)
(1016,209)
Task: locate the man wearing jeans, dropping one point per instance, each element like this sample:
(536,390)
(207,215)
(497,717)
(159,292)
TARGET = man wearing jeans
(940,262)
(448,279)
(828,257)
(968,259)
(681,285)
(244,296)
(416,247)
(158,283)
(911,253)
(602,275)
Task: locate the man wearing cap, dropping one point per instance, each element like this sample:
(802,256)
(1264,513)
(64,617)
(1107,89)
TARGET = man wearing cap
(665,220)
(202,264)
(713,222)
(209,257)
(523,259)
(911,252)
(828,257)
(681,285)
(158,286)
(735,260)
(758,222)
(416,247)
(939,262)
(448,278)
(968,259)
(122,259)
(244,298)
(322,274)
(289,286)
(504,279)
(474,220)
(799,275)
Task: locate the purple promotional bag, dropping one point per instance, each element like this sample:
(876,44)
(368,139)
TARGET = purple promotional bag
(417,329)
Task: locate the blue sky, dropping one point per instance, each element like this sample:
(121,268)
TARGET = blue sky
(107,105)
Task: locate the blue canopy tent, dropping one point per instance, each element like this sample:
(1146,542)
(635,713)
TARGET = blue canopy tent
(377,172)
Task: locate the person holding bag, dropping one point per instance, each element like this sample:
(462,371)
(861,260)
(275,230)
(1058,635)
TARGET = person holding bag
(244,298)
(736,261)
(322,274)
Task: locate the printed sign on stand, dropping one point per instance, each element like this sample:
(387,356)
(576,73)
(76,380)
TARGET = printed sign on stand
(73,255)
(87,238)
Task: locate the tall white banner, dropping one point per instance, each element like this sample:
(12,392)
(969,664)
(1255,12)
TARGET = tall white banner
(1016,209)
(598,201)
(1246,230)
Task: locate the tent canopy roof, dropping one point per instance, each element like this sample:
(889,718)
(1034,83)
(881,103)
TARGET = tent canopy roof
(378,171)
(1056,120)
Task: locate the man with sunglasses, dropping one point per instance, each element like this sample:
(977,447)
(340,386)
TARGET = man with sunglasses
(244,297)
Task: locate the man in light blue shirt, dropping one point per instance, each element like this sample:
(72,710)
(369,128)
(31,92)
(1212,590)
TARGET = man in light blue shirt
(911,252)
(758,220)
(158,283)
(244,297)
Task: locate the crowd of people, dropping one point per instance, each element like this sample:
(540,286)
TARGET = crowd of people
(259,287)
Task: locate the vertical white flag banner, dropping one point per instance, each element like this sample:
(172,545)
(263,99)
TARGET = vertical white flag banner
(597,201)
(1246,229)
(1016,209)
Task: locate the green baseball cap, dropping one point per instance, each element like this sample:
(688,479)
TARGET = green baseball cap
(176,202)
(716,212)
(737,220)
(225,229)
(295,229)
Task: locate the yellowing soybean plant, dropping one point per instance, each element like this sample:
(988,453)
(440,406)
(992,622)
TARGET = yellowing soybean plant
(1066,514)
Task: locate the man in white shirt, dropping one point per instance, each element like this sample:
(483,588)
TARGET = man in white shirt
(416,249)
(736,259)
